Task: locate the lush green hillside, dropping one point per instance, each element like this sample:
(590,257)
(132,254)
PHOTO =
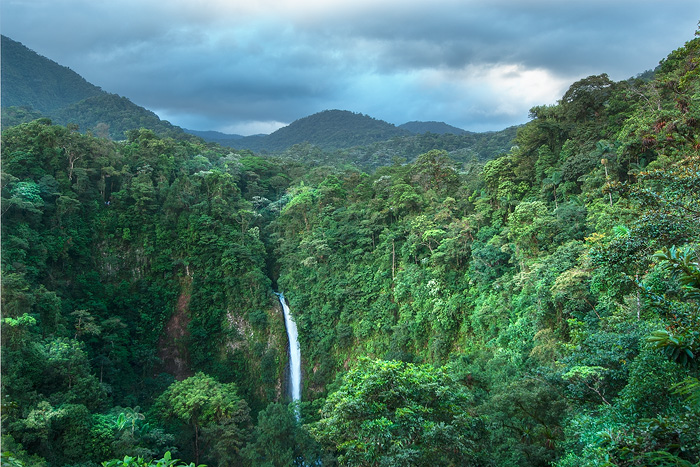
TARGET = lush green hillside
(332,138)
(439,128)
(34,86)
(13,116)
(125,266)
(223,139)
(329,129)
(465,149)
(540,308)
(30,80)
(559,284)
(111,116)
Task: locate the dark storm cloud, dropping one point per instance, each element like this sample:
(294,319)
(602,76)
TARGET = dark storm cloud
(257,76)
(562,36)
(233,65)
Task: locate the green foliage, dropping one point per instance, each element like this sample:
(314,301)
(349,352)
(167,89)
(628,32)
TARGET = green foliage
(166,461)
(279,440)
(13,116)
(681,339)
(14,455)
(356,149)
(111,116)
(208,409)
(391,413)
(537,309)
(98,259)
(328,129)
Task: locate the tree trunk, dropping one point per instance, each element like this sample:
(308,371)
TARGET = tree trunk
(196,445)
(393,260)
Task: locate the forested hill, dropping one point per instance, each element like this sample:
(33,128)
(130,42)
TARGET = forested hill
(225,139)
(31,80)
(537,309)
(341,138)
(439,128)
(34,86)
(111,116)
(330,129)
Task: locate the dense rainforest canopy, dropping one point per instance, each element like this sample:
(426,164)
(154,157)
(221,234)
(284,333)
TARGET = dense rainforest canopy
(540,308)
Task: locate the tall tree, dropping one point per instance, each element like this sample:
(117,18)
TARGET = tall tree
(200,403)
(396,413)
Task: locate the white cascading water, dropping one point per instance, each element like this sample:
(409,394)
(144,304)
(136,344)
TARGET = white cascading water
(294,351)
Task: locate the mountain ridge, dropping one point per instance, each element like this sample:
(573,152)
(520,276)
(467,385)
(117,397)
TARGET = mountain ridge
(55,87)
(67,98)
(32,84)
(328,129)
(440,128)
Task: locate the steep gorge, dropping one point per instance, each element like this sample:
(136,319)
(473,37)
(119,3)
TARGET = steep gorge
(554,289)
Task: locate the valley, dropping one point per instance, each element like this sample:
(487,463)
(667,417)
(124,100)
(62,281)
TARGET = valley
(526,297)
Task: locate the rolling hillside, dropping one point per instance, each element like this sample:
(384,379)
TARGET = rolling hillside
(35,86)
(439,128)
(330,129)
(31,80)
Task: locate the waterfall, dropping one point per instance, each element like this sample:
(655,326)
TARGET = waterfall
(294,351)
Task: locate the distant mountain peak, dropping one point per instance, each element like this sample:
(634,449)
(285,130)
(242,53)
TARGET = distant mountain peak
(328,129)
(438,128)
(214,136)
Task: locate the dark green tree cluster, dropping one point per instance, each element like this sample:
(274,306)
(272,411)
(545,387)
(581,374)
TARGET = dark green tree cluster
(396,413)
(465,148)
(126,266)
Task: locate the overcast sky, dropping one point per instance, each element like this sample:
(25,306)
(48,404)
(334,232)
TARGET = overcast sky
(253,66)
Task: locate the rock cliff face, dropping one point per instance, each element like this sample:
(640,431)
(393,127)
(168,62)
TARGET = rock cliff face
(172,346)
(264,351)
(236,338)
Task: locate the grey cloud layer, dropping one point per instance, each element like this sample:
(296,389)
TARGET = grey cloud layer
(218,64)
(559,35)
